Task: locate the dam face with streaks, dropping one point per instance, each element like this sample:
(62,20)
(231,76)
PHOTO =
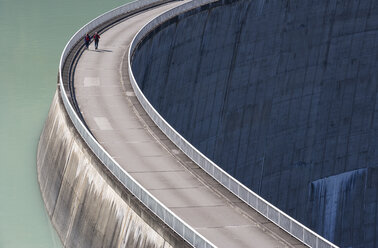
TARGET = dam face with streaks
(283,96)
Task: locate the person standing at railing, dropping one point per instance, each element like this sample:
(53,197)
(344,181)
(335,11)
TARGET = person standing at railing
(87,39)
(96,38)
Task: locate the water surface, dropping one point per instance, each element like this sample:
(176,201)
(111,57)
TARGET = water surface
(32,37)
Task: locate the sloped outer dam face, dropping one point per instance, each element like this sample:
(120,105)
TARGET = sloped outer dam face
(283,96)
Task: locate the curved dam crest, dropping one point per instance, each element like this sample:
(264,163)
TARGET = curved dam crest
(282,95)
(73,181)
(88,200)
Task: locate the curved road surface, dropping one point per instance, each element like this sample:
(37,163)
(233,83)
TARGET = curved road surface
(119,123)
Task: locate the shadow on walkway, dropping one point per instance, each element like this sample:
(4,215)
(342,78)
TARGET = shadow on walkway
(103,51)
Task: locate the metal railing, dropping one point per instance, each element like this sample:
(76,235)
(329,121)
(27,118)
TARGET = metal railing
(287,223)
(166,215)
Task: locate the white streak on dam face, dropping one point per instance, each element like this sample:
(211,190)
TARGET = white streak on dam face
(333,195)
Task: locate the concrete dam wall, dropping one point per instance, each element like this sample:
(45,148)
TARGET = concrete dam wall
(86,205)
(283,96)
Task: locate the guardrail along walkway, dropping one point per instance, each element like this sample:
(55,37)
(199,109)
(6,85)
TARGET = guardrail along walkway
(121,126)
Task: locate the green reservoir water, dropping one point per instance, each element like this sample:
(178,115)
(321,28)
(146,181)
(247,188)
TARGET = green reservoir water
(33,34)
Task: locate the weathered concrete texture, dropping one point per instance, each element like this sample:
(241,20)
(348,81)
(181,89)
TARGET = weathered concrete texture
(282,95)
(86,205)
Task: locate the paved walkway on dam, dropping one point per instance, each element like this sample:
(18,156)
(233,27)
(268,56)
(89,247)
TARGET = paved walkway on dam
(121,126)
